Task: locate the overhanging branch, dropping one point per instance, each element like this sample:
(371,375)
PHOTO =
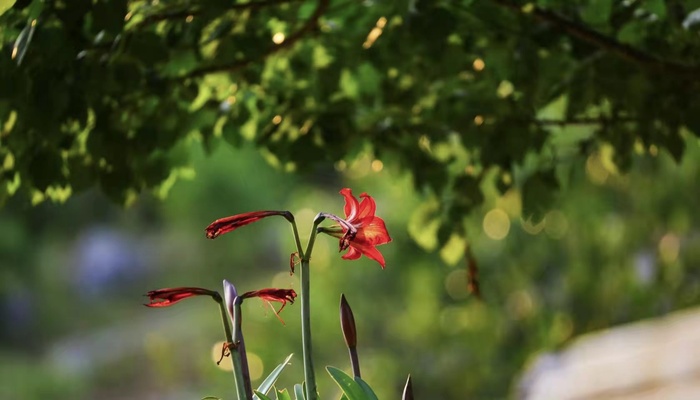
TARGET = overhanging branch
(310,26)
(607,43)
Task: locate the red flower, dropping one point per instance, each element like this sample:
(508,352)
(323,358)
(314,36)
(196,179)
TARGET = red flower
(228,224)
(268,295)
(361,231)
(169,296)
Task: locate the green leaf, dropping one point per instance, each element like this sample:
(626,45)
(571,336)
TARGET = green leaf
(6,5)
(366,388)
(299,392)
(272,378)
(597,12)
(283,395)
(656,7)
(260,396)
(350,388)
(21,46)
(211,398)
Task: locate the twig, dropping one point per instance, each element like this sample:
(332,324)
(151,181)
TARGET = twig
(310,26)
(593,37)
(472,273)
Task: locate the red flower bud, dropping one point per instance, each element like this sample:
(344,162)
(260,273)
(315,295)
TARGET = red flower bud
(228,224)
(169,296)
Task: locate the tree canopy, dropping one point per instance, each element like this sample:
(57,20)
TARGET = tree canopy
(459,93)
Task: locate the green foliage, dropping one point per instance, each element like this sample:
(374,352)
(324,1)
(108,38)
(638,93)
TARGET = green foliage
(351,389)
(102,93)
(267,384)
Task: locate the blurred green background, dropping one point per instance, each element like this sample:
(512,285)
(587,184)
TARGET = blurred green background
(615,248)
(554,140)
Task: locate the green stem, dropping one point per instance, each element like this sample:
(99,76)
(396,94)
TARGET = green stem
(310,378)
(296,238)
(239,347)
(236,361)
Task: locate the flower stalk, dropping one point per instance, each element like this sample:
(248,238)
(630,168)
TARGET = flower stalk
(234,341)
(309,376)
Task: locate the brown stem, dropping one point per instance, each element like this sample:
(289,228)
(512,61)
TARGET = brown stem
(586,34)
(472,273)
(310,26)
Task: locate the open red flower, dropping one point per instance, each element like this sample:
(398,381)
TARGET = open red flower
(228,224)
(169,296)
(270,294)
(361,231)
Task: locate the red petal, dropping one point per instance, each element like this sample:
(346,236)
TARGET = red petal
(352,254)
(351,204)
(367,208)
(374,233)
(366,249)
(228,224)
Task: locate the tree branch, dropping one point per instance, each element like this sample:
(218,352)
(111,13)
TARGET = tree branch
(609,44)
(310,26)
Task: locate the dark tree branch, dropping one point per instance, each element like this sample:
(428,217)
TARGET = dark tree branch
(609,44)
(310,26)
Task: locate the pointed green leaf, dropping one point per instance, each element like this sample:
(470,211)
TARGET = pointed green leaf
(260,396)
(272,378)
(283,395)
(351,389)
(22,43)
(369,393)
(299,392)
(6,5)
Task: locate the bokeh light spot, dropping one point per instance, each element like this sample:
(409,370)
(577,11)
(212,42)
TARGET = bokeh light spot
(496,224)
(478,64)
(669,247)
(278,38)
(377,165)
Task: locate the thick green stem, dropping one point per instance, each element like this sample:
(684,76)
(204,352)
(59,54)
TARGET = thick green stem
(236,361)
(309,376)
(239,347)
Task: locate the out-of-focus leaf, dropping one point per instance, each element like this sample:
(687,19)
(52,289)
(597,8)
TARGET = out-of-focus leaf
(597,12)
(366,388)
(283,395)
(299,392)
(350,388)
(6,5)
(19,50)
(267,384)
(260,396)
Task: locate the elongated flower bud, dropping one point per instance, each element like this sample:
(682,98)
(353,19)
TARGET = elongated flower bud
(347,323)
(408,390)
(228,224)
